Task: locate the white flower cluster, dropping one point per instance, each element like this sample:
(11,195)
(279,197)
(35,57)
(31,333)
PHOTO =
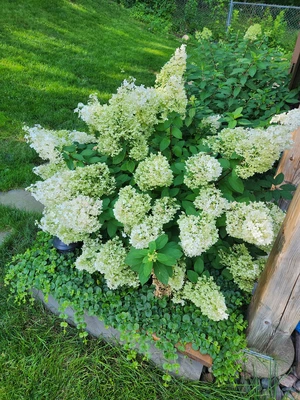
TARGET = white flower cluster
(258,148)
(169,84)
(164,209)
(244,269)
(206,295)
(196,234)
(201,169)
(211,202)
(253,32)
(177,279)
(151,227)
(203,35)
(212,122)
(93,181)
(133,111)
(131,206)
(47,170)
(72,220)
(145,232)
(153,172)
(290,119)
(254,223)
(86,261)
(48,143)
(110,261)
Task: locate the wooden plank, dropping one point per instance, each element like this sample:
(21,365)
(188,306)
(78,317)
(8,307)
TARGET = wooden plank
(290,166)
(295,66)
(275,307)
(204,359)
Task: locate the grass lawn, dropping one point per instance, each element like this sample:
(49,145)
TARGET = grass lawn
(54,53)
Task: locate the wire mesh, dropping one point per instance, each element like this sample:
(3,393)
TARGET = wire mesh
(249,13)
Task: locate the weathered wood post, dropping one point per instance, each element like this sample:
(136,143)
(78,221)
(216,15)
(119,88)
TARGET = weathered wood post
(275,307)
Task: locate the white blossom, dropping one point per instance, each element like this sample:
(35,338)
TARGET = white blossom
(153,172)
(72,220)
(145,232)
(110,261)
(201,169)
(196,234)
(131,206)
(252,223)
(244,269)
(206,295)
(211,202)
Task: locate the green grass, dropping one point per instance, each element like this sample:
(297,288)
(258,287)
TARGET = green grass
(54,54)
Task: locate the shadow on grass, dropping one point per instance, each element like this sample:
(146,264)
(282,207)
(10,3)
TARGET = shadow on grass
(56,53)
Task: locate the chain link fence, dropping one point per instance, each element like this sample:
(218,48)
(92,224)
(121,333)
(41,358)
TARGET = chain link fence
(249,13)
(282,22)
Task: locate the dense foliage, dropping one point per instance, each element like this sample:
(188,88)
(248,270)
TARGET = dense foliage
(244,73)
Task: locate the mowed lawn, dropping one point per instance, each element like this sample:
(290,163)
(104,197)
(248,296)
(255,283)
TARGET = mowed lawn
(53,55)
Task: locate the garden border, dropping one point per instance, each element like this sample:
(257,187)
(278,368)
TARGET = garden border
(189,361)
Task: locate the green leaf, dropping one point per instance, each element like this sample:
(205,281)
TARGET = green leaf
(199,265)
(188,121)
(189,208)
(243,80)
(227,274)
(135,256)
(286,195)
(174,192)
(163,126)
(164,143)
(152,246)
(252,70)
(192,276)
(177,151)
(176,132)
(177,122)
(225,164)
(236,183)
(238,112)
(145,272)
(161,241)
(120,157)
(236,91)
(279,179)
(94,160)
(69,149)
(70,164)
(178,180)
(192,112)
(166,259)
(172,249)
(161,273)
(88,153)
(111,229)
(288,186)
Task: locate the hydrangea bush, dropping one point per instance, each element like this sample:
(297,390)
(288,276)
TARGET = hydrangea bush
(154,202)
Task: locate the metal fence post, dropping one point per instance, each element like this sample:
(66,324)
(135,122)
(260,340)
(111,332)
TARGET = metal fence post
(229,14)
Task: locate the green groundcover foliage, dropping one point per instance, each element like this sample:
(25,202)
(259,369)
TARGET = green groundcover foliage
(170,195)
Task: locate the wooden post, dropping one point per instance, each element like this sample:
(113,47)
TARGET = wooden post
(290,166)
(274,311)
(275,308)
